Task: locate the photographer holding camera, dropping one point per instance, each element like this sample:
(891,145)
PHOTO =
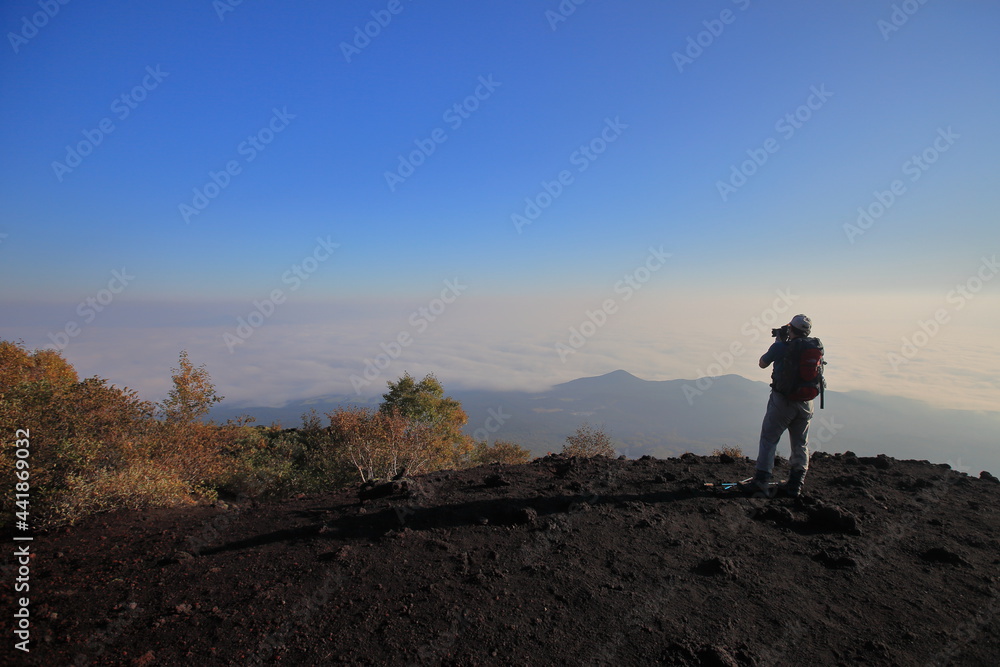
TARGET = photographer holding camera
(796,379)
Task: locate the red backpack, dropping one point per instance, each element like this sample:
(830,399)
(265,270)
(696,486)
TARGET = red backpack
(801,374)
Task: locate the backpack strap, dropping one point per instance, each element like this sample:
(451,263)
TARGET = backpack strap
(822,378)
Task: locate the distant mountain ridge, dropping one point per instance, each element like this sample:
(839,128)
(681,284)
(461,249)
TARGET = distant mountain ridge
(665,418)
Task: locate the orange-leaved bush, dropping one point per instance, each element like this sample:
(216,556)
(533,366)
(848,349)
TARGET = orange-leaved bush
(78,431)
(380,445)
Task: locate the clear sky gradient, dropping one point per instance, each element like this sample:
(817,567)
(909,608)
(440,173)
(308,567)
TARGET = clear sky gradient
(214,154)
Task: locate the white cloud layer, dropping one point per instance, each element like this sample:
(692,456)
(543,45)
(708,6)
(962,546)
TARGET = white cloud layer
(310,349)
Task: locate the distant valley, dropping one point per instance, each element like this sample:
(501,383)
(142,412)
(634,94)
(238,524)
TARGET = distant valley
(669,417)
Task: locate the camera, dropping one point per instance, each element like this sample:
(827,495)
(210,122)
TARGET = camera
(781,334)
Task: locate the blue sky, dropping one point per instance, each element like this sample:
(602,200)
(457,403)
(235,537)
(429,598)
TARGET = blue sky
(201,83)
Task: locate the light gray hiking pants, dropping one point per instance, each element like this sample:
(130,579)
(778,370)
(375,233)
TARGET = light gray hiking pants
(793,416)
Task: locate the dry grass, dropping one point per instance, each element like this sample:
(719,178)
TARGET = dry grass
(140,485)
(735,452)
(589,441)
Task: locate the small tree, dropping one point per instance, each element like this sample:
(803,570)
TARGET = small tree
(588,441)
(500,451)
(193,394)
(441,417)
(190,448)
(381,445)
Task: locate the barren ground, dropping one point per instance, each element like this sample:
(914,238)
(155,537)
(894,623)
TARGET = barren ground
(559,561)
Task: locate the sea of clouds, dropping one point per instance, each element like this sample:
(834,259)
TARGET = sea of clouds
(888,344)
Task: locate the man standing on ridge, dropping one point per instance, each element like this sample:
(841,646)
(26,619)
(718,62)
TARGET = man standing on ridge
(796,379)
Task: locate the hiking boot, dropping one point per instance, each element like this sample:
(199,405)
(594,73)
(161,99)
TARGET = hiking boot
(793,487)
(759,486)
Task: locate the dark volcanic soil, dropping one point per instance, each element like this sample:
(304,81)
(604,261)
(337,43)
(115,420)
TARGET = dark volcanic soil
(559,561)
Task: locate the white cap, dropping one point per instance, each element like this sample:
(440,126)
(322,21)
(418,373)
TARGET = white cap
(802,323)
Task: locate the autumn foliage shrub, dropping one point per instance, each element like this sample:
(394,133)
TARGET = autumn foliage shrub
(588,441)
(380,445)
(79,431)
(95,447)
(501,451)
